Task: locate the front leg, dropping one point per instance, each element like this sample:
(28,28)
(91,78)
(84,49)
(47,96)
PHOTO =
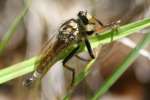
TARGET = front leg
(99,22)
(88,46)
(114,26)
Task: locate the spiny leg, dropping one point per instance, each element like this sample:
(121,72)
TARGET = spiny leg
(114,31)
(114,26)
(69,68)
(87,43)
(107,25)
(83,59)
(80,57)
(100,23)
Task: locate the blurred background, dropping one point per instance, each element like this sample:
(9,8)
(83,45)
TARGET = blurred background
(42,22)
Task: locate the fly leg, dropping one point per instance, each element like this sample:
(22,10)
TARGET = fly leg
(83,59)
(87,43)
(100,23)
(69,68)
(114,26)
(88,46)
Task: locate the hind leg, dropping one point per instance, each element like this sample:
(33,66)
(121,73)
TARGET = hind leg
(69,68)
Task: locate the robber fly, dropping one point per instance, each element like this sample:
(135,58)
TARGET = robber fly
(72,31)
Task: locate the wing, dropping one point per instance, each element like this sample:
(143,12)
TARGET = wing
(47,57)
(45,52)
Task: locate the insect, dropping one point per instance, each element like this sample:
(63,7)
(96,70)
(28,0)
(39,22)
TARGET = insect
(72,31)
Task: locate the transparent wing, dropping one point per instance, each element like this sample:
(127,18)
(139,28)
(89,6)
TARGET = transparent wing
(48,45)
(45,53)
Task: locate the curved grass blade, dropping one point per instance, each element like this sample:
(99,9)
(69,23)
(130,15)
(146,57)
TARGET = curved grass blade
(123,31)
(123,67)
(8,35)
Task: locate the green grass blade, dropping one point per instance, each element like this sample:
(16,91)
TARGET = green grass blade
(95,41)
(124,31)
(17,70)
(123,67)
(8,35)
